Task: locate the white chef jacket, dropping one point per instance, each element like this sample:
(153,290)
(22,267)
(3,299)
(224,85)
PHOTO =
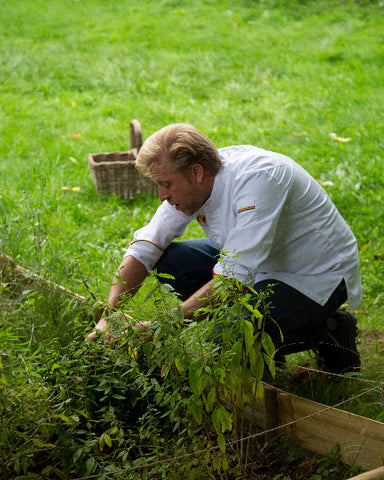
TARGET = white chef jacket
(271,220)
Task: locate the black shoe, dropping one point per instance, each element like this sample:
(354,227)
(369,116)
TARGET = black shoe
(339,352)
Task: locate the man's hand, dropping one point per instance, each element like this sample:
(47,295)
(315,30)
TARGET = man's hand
(142,327)
(127,280)
(139,328)
(101,328)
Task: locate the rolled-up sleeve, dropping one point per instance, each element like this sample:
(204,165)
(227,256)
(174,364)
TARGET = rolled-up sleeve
(149,242)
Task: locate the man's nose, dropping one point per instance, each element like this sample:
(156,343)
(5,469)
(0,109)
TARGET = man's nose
(162,192)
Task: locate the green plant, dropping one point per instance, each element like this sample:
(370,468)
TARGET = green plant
(116,409)
(331,467)
(223,375)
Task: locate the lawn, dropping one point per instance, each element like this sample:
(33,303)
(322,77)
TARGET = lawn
(304,78)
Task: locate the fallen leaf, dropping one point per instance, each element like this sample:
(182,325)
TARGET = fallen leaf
(335,137)
(74,189)
(379,256)
(307,465)
(74,104)
(75,135)
(300,134)
(73,160)
(325,183)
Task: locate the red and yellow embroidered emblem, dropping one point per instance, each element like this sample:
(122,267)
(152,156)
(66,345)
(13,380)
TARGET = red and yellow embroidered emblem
(201,219)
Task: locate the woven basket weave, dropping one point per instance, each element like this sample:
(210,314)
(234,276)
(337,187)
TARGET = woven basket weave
(115,173)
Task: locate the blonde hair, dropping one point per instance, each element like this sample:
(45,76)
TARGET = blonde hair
(183,145)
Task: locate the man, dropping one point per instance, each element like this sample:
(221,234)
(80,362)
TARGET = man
(275,219)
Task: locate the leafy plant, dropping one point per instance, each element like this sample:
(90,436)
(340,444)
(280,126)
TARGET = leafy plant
(179,390)
(214,368)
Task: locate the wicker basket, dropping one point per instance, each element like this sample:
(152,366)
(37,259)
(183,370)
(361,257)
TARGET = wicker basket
(115,173)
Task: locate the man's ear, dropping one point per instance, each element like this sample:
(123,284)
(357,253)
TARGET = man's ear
(197,172)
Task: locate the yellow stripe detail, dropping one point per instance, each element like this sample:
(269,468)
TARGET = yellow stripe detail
(245,209)
(149,241)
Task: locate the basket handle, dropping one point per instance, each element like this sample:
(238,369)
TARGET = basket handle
(136,135)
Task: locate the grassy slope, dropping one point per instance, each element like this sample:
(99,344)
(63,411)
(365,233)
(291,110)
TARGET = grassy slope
(281,75)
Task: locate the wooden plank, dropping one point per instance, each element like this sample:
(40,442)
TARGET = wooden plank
(319,428)
(377,474)
(12,271)
(264,416)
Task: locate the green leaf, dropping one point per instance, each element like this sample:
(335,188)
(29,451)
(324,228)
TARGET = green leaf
(256,316)
(268,345)
(271,364)
(245,376)
(179,364)
(104,439)
(62,417)
(180,315)
(108,439)
(257,345)
(118,397)
(149,295)
(90,465)
(248,335)
(251,354)
(257,367)
(39,443)
(164,370)
(223,419)
(221,442)
(258,390)
(216,420)
(211,400)
(196,408)
(237,351)
(101,442)
(77,454)
(194,377)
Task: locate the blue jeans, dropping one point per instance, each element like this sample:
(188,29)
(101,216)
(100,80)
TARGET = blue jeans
(301,321)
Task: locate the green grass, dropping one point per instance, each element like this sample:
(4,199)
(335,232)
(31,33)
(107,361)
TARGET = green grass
(281,75)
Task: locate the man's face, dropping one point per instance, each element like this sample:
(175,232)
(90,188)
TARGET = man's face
(181,190)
